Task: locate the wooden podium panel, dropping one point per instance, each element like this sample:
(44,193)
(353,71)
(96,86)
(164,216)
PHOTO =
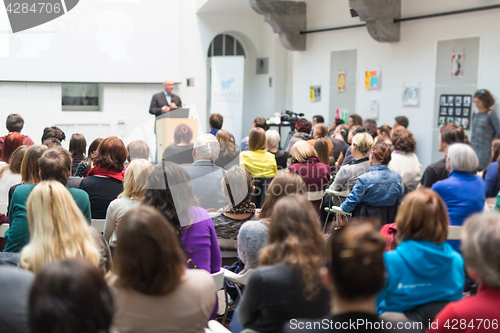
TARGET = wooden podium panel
(165,128)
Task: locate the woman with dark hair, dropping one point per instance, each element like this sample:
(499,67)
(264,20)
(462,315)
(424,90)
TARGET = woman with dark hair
(384,135)
(12,141)
(104,182)
(490,175)
(288,286)
(302,130)
(354,120)
(181,150)
(70,296)
(485,126)
(320,132)
(379,186)
(403,159)
(85,165)
(229,153)
(10,174)
(77,146)
(322,148)
(153,290)
(170,191)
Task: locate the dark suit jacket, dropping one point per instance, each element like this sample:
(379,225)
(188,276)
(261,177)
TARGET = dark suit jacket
(159,100)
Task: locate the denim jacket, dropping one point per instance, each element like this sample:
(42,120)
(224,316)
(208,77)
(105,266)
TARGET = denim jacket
(378,187)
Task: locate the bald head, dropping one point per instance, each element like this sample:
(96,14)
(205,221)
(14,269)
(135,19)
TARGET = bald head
(168,86)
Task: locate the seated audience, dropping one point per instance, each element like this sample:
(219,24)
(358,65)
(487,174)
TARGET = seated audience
(491,174)
(307,165)
(379,187)
(354,120)
(134,188)
(15,123)
(153,291)
(480,239)
(53,132)
(170,191)
(10,174)
(70,296)
(59,230)
(384,135)
(215,121)
(229,152)
(401,121)
(348,175)
(77,146)
(86,165)
(12,141)
(423,272)
(321,131)
(15,286)
(287,285)
(403,159)
(347,158)
(205,176)
(238,187)
(340,144)
(104,182)
(258,122)
(302,130)
(354,274)
(281,156)
(181,150)
(322,148)
(372,125)
(448,134)
(55,164)
(462,192)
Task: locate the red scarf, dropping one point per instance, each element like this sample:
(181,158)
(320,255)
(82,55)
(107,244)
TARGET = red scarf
(98,171)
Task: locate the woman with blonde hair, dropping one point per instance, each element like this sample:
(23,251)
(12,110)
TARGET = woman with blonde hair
(289,285)
(58,229)
(134,189)
(228,155)
(257,160)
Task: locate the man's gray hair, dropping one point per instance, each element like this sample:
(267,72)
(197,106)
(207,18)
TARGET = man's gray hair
(273,138)
(462,158)
(480,243)
(206,147)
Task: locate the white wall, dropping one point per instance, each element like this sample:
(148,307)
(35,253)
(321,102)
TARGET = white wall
(411,61)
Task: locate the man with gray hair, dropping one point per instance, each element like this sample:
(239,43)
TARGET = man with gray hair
(205,175)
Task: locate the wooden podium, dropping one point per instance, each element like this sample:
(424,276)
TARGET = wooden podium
(165,127)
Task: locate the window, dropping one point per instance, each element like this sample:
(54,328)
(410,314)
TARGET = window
(225,45)
(80,96)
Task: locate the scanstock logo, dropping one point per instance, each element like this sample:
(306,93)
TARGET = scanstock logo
(26,14)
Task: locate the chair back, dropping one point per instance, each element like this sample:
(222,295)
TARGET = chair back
(3,228)
(386,214)
(3,208)
(316,195)
(455,232)
(98,224)
(237,278)
(219,280)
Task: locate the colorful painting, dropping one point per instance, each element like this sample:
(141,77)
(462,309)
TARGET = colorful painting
(341,82)
(372,80)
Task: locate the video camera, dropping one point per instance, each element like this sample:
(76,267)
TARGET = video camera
(290,117)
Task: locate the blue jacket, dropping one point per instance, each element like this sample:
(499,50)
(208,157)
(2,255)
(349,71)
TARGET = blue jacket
(379,186)
(419,272)
(491,180)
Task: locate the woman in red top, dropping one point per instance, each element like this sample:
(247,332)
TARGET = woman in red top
(478,313)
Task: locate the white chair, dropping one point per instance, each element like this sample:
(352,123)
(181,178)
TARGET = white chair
(317,195)
(454,232)
(3,208)
(335,209)
(215,327)
(219,280)
(98,224)
(237,279)
(3,228)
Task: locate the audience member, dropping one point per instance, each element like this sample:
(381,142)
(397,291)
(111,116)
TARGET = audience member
(302,130)
(348,158)
(401,121)
(137,149)
(15,123)
(215,121)
(238,187)
(448,134)
(10,174)
(384,135)
(491,174)
(480,241)
(354,120)
(348,175)
(58,230)
(379,187)
(181,150)
(86,165)
(53,132)
(134,188)
(15,286)
(340,144)
(423,272)
(289,285)
(104,182)
(153,290)
(77,147)
(258,122)
(55,164)
(229,153)
(70,296)
(322,147)
(307,165)
(52,143)
(252,237)
(462,192)
(336,123)
(321,131)
(318,119)
(205,176)
(170,191)
(10,144)
(485,126)
(354,273)
(372,125)
(281,156)
(403,159)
